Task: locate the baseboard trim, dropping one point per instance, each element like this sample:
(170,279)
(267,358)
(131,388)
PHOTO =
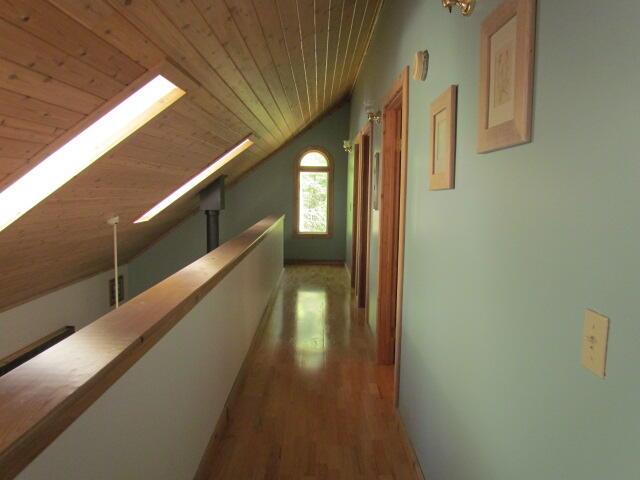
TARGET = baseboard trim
(408,446)
(206,462)
(334,263)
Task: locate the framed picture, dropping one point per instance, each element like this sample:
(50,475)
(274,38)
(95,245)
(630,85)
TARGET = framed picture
(442,138)
(375,178)
(506,75)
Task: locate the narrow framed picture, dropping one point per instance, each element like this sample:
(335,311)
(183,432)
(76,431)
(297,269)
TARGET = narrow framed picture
(442,137)
(506,75)
(375,180)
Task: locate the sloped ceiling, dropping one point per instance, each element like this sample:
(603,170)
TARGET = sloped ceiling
(261,67)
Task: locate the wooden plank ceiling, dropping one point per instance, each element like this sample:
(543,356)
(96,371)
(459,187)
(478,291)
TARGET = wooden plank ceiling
(262,67)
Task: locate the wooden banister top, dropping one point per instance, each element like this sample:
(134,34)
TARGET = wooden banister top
(42,397)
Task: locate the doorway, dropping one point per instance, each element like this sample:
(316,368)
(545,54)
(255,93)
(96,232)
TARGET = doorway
(354,203)
(392,218)
(362,214)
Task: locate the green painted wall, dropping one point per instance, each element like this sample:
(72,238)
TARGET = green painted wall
(498,272)
(178,248)
(269,189)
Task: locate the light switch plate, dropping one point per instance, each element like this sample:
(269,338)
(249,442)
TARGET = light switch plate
(594,342)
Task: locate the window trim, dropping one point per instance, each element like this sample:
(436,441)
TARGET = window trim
(296,192)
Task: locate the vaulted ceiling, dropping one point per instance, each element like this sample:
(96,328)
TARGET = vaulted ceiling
(262,67)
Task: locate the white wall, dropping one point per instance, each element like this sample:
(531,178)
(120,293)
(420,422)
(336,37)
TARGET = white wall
(78,304)
(156,420)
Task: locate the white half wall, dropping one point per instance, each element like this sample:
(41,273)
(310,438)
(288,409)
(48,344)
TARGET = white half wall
(78,304)
(156,420)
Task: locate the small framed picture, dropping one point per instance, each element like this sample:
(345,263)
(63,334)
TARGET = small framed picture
(506,75)
(375,178)
(442,138)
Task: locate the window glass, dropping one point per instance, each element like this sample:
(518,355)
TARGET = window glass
(314,159)
(313,198)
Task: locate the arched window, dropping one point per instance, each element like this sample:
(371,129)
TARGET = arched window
(313,193)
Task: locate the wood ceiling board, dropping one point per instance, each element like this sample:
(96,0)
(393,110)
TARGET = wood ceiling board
(266,16)
(193,26)
(205,119)
(163,32)
(247,27)
(223,26)
(29,51)
(364,38)
(342,49)
(30,109)
(51,25)
(10,147)
(18,129)
(265,68)
(288,19)
(361,17)
(307,27)
(321,26)
(28,82)
(108,24)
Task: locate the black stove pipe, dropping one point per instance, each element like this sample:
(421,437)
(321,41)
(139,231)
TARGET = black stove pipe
(211,202)
(213,229)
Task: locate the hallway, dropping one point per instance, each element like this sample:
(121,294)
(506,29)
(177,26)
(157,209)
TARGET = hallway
(310,406)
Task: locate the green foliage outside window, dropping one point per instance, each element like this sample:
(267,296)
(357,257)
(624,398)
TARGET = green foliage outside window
(314,189)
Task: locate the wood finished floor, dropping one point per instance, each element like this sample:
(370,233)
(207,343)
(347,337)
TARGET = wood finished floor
(313,404)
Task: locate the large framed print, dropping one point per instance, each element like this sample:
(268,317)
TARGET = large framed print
(506,75)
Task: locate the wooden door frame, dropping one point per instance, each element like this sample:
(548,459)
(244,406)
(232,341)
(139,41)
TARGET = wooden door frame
(396,98)
(363,212)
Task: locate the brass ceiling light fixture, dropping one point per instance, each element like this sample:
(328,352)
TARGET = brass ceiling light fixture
(466,6)
(347,146)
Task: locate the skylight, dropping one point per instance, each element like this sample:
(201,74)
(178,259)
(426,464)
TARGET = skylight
(85,148)
(199,178)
